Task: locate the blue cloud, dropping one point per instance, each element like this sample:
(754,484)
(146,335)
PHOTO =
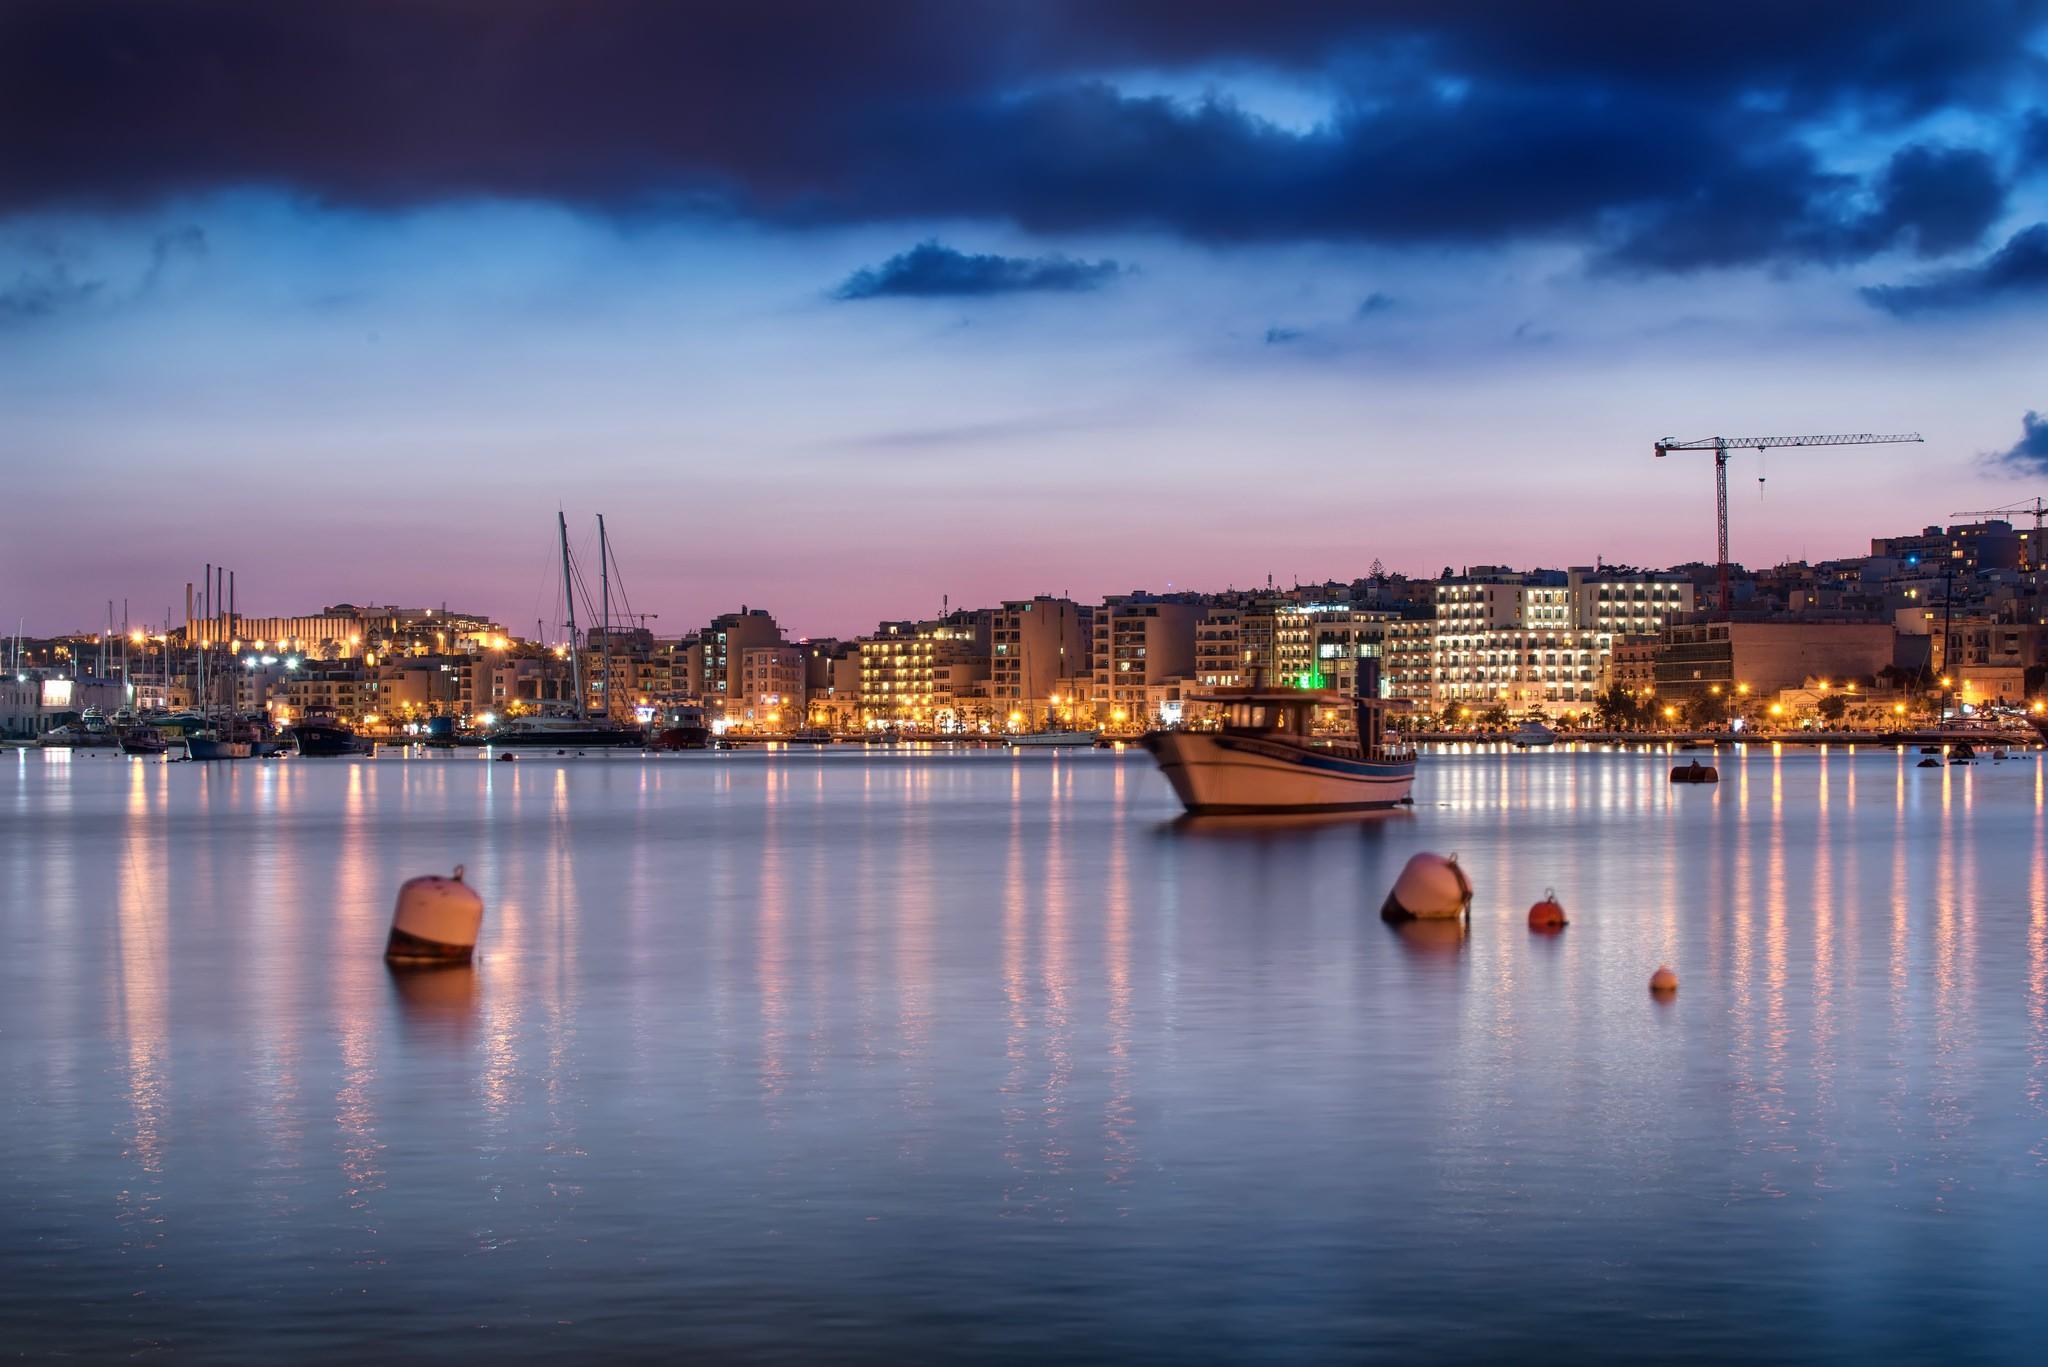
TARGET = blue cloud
(1279,336)
(932,269)
(2030,453)
(2018,270)
(1375,302)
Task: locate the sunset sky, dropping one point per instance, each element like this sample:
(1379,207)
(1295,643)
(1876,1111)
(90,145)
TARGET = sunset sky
(836,309)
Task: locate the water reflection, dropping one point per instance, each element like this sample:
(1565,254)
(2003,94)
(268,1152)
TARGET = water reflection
(436,1002)
(767,1051)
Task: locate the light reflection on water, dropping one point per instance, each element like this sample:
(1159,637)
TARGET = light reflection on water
(985,1055)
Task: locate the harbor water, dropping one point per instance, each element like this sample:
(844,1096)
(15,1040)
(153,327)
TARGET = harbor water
(865,1055)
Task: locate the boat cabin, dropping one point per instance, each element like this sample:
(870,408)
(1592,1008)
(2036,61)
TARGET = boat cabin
(1289,712)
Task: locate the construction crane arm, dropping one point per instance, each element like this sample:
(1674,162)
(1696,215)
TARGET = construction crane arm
(1770,443)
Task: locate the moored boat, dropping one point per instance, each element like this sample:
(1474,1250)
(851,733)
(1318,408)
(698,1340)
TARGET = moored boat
(565,732)
(322,734)
(1531,733)
(89,732)
(217,747)
(143,740)
(1267,757)
(1031,739)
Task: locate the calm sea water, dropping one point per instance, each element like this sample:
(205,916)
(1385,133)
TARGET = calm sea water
(862,1056)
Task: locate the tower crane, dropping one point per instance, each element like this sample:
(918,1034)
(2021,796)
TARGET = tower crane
(2037,506)
(1721,446)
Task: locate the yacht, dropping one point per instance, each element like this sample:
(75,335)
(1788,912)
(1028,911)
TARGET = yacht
(1531,733)
(564,731)
(1267,757)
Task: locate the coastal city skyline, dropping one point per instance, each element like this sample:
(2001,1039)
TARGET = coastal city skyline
(658,605)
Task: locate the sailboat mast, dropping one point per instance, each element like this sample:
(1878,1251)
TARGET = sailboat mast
(604,579)
(569,601)
(205,631)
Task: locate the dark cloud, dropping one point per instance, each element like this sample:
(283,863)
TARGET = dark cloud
(1673,134)
(2017,270)
(1784,208)
(43,291)
(1376,302)
(2029,454)
(2034,141)
(1279,336)
(932,269)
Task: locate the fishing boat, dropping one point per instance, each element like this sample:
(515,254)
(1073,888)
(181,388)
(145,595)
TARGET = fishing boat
(1531,733)
(685,730)
(1267,757)
(143,740)
(322,734)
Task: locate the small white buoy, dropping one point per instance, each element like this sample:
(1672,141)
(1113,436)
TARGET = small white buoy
(1431,887)
(436,921)
(1663,982)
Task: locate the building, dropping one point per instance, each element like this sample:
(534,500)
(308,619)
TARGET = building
(771,690)
(1765,656)
(1038,657)
(1141,640)
(1220,657)
(724,644)
(928,676)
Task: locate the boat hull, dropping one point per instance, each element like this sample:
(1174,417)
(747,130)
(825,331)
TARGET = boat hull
(198,747)
(1052,739)
(324,742)
(1222,773)
(569,738)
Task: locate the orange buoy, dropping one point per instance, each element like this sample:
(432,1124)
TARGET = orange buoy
(1547,914)
(1663,981)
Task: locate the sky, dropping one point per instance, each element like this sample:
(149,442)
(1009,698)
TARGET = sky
(849,311)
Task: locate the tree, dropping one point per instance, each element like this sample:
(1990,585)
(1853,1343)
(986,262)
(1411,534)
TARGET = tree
(1618,709)
(1702,711)
(1832,707)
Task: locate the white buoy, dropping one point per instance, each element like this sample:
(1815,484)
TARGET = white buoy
(436,921)
(1431,887)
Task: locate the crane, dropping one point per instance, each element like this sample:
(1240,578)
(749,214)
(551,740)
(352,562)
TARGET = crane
(2037,505)
(1721,446)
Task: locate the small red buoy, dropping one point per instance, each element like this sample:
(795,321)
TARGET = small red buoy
(1548,914)
(1663,982)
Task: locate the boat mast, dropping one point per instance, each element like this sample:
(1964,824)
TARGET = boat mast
(205,630)
(569,600)
(604,580)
